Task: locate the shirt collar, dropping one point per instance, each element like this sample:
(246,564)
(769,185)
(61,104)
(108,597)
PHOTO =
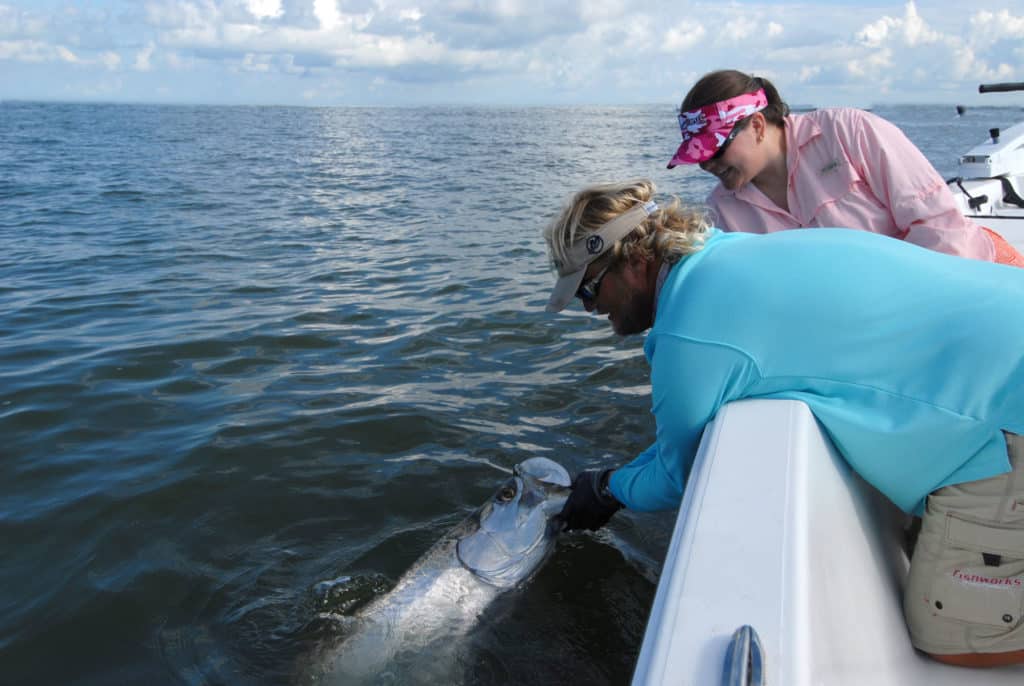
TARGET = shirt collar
(800,130)
(666,268)
(662,276)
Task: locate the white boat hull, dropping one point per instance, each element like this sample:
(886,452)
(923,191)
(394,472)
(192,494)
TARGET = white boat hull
(776,532)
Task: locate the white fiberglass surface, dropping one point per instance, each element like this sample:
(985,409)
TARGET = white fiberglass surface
(776,532)
(1010,226)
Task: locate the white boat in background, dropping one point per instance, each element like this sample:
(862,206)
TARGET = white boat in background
(787,569)
(989,186)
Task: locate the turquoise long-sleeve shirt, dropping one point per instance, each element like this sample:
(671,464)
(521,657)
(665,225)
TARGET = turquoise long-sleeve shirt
(912,361)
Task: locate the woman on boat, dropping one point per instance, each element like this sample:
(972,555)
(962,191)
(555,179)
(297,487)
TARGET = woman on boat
(831,167)
(910,359)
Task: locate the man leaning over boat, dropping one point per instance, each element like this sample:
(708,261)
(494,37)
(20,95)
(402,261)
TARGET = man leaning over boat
(910,359)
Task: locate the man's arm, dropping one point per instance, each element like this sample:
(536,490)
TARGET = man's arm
(690,381)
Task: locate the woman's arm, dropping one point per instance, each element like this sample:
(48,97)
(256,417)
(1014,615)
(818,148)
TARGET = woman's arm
(900,176)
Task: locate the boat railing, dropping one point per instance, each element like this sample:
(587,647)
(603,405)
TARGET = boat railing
(1001,87)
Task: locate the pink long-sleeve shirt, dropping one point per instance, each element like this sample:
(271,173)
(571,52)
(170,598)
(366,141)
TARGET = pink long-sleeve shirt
(853,169)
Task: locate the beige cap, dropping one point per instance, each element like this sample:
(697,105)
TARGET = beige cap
(591,247)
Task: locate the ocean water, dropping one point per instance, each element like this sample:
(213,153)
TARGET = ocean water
(254,361)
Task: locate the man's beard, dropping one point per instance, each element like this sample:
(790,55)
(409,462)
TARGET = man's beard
(638,317)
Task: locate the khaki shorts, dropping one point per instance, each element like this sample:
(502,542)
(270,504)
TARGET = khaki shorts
(965,593)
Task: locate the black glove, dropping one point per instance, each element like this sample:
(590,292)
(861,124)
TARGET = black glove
(590,504)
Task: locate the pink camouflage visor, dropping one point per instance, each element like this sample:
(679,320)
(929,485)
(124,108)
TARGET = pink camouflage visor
(707,129)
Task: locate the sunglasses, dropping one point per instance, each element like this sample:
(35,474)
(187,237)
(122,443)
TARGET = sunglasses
(728,139)
(588,291)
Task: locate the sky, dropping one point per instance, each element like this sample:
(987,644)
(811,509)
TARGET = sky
(503,52)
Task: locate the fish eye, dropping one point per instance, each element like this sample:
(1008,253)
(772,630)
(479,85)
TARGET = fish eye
(507,493)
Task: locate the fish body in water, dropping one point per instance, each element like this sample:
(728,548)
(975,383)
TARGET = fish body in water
(410,635)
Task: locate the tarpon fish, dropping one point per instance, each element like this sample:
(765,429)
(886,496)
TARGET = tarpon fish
(410,635)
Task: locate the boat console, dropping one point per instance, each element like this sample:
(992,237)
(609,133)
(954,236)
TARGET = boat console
(989,185)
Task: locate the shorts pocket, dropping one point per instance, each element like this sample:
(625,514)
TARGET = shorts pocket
(985,537)
(968,590)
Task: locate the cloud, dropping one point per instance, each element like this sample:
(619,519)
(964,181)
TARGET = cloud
(30,51)
(255,63)
(576,50)
(997,25)
(21,23)
(109,59)
(327,13)
(143,57)
(265,9)
(910,29)
(739,30)
(683,37)
(967,64)
(809,73)
(906,50)
(872,66)
(875,34)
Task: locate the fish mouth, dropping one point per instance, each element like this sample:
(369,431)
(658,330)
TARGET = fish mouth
(543,470)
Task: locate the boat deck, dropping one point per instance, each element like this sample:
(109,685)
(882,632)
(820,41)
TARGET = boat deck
(1010,225)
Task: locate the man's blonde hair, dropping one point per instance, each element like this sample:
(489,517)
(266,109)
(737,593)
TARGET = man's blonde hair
(669,234)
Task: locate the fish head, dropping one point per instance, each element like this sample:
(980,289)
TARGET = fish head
(516,530)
